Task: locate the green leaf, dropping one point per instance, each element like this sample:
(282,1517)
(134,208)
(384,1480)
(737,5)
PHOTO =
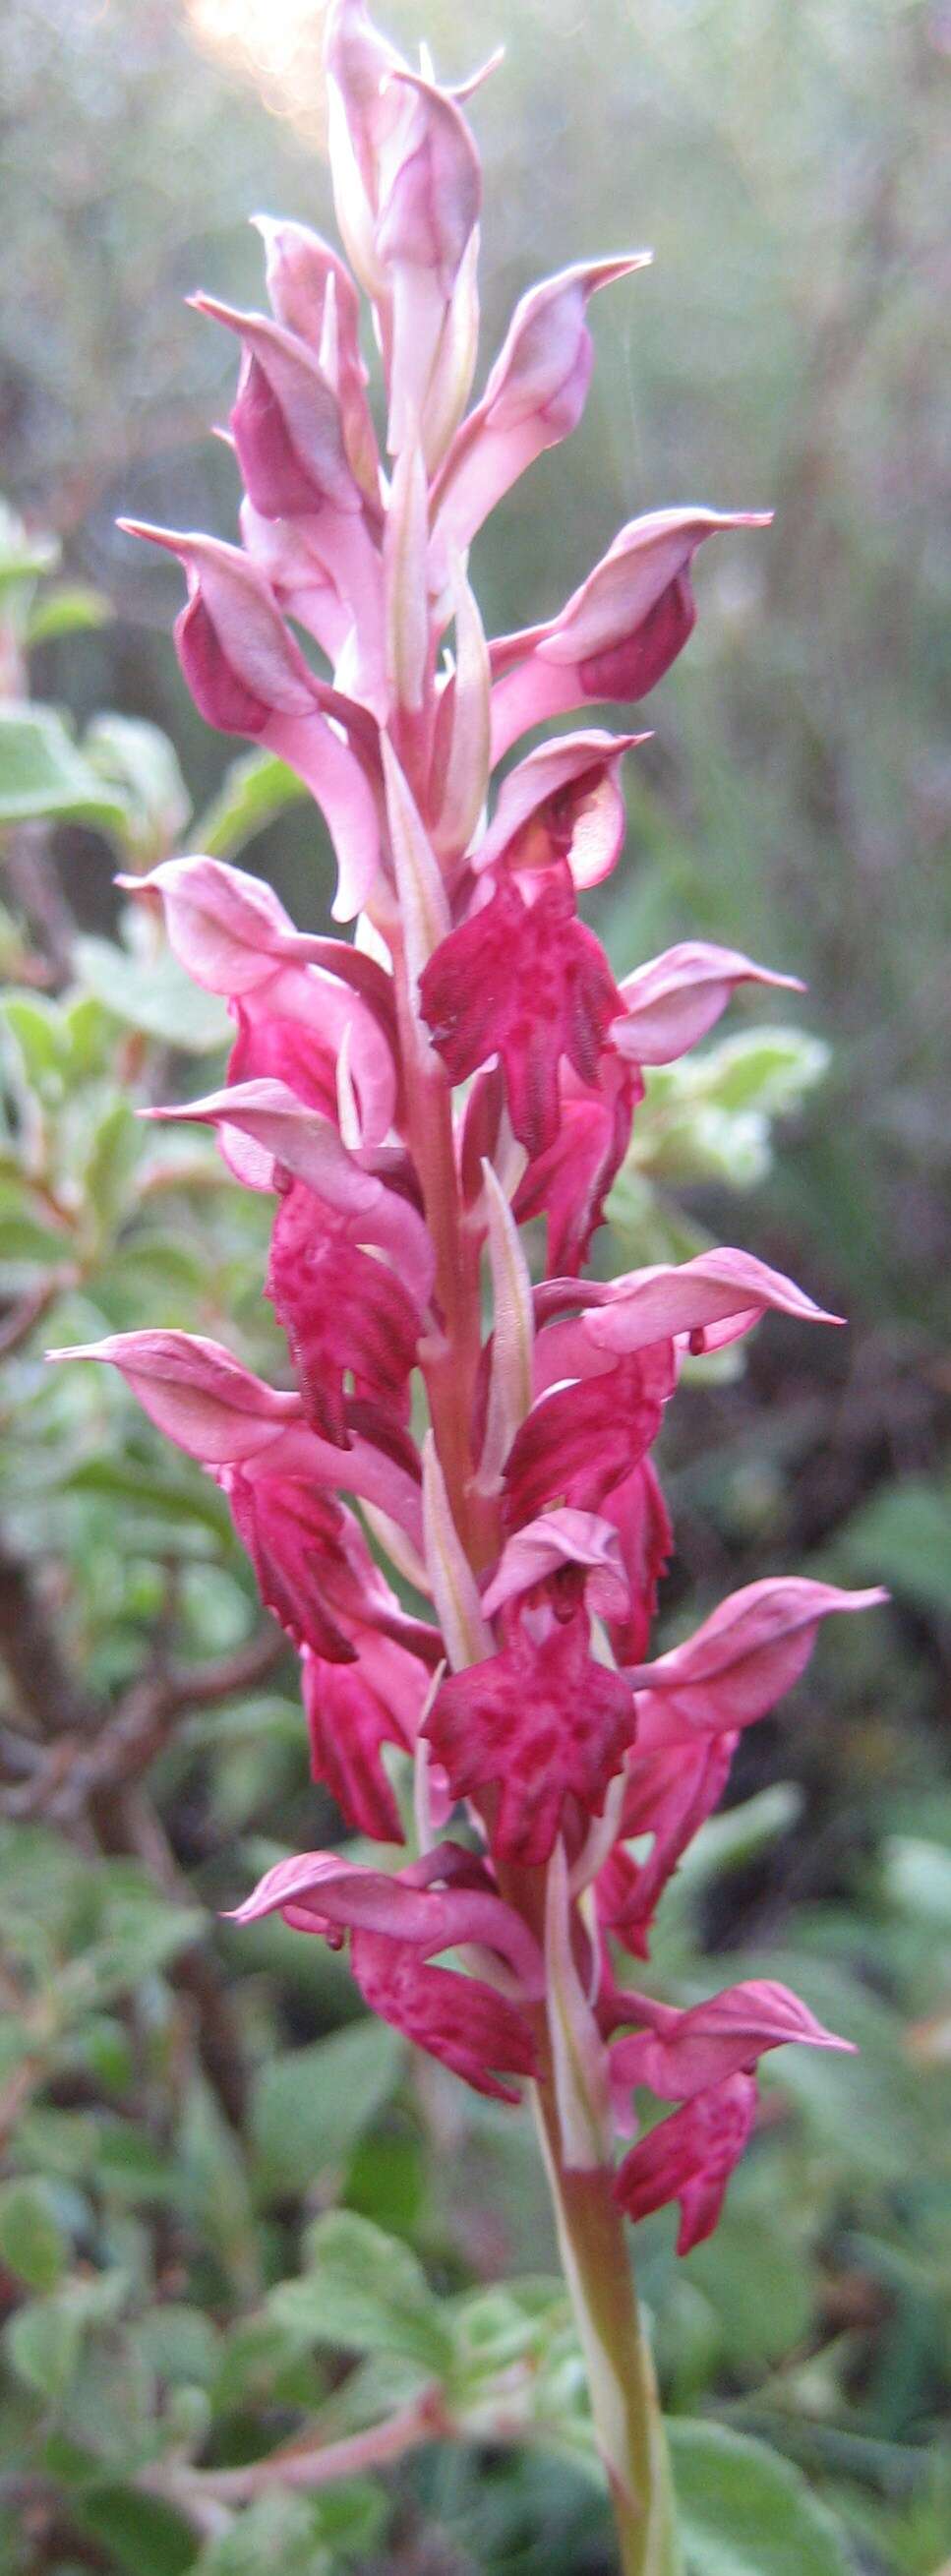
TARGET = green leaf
(768,1070)
(37,1026)
(744,2511)
(309,2109)
(262,2365)
(144,2534)
(26,1236)
(128,2166)
(44,2340)
(253,792)
(114,1150)
(138,759)
(72,608)
(44,776)
(122,1481)
(902,1537)
(755,2275)
(32,2241)
(23,558)
(213,2186)
(918,1880)
(153,995)
(365,2292)
(140,1934)
(179,2344)
(277,2535)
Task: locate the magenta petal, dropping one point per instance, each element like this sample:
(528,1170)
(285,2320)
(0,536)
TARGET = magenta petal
(465,2023)
(194,1391)
(681,2054)
(570,1180)
(668,1794)
(345,1314)
(584,1438)
(529,982)
(672,1001)
(354,1709)
(535,395)
(563,802)
(637,1510)
(542,1724)
(690,2158)
(745,1656)
(292,1536)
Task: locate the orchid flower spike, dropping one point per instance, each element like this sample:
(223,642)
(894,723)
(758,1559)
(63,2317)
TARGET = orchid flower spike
(461,1408)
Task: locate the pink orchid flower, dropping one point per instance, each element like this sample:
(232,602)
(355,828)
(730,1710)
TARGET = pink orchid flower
(412,1100)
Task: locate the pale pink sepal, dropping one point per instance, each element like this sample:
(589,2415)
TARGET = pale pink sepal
(296,1139)
(534,396)
(560,1538)
(683,2053)
(248,676)
(735,1667)
(313,294)
(196,1392)
(618,633)
(672,1001)
(322,1888)
(712,1299)
(564,800)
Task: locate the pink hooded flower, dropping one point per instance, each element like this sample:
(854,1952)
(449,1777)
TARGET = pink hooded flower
(495,1434)
(526,981)
(352,1711)
(312,293)
(689,2158)
(247,676)
(618,634)
(344,1312)
(541,1725)
(535,395)
(397,1923)
(563,802)
(743,1659)
(681,2054)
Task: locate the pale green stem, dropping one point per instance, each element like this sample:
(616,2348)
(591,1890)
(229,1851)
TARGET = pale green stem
(627,2419)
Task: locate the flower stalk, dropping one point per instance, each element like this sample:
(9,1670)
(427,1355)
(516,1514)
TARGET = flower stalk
(466,1409)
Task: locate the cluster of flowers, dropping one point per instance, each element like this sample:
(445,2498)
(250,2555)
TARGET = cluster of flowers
(412,1099)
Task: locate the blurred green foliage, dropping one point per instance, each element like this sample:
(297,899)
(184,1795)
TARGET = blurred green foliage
(230,2208)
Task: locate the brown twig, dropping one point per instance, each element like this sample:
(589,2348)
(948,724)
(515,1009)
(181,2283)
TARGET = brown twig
(81,1765)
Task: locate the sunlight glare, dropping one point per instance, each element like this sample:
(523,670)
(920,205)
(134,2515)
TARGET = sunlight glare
(276,44)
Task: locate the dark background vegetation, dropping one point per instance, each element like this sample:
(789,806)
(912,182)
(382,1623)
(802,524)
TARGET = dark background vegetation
(790,347)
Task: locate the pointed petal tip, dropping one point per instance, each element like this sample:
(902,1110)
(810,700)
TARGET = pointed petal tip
(214,310)
(171,538)
(614,265)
